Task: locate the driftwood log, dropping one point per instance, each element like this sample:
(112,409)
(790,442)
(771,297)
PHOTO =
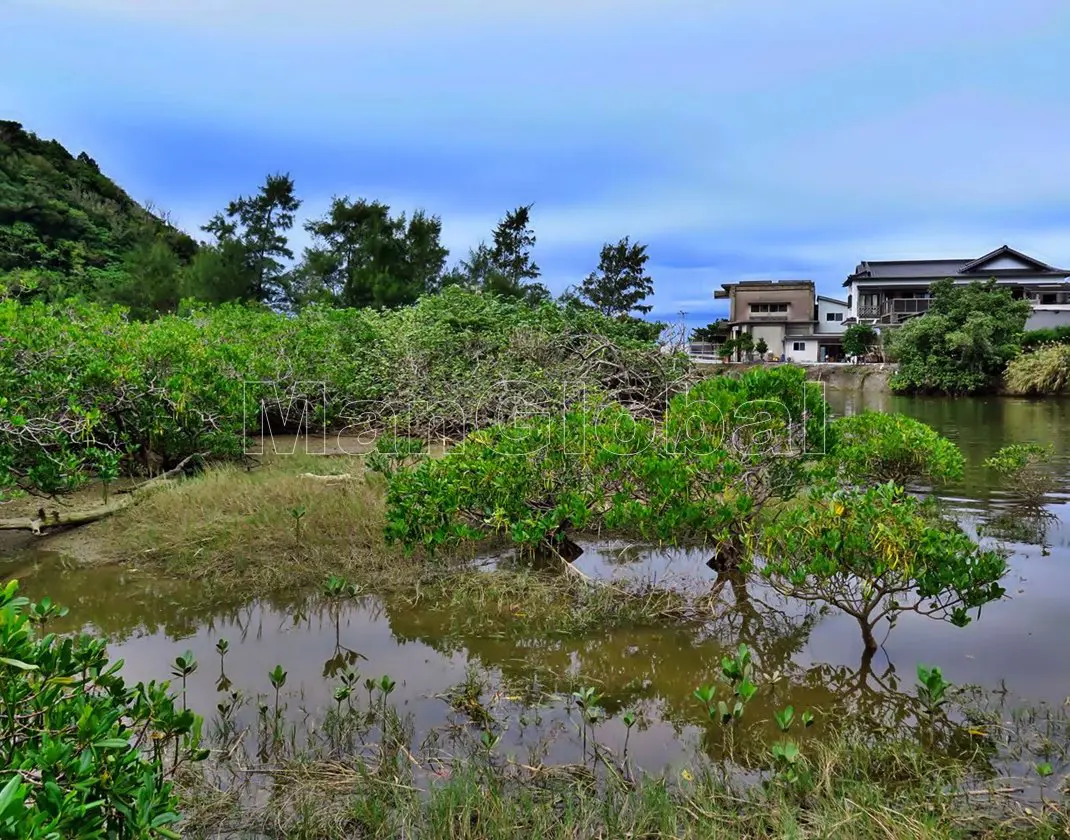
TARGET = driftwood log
(45,520)
(329,479)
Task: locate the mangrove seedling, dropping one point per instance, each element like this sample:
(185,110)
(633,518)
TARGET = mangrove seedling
(45,611)
(106,464)
(737,670)
(705,695)
(341,692)
(932,689)
(628,719)
(386,688)
(786,759)
(297,514)
(339,587)
(278,680)
(221,647)
(587,699)
(183,667)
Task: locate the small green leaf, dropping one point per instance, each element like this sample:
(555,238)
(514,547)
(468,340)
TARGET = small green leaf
(112,744)
(15,663)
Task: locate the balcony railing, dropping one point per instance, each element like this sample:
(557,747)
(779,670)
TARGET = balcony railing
(908,306)
(895,310)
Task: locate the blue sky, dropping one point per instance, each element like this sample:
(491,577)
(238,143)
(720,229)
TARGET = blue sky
(739,139)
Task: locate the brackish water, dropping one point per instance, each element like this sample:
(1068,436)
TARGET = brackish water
(809,658)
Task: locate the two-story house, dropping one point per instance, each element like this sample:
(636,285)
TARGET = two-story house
(888,292)
(797,324)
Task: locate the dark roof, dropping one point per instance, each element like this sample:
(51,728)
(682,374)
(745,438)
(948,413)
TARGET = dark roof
(832,300)
(939,269)
(1006,250)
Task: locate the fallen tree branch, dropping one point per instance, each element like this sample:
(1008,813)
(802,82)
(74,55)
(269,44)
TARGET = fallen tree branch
(82,516)
(329,479)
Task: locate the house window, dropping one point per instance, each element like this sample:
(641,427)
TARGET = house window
(799,346)
(833,316)
(763,308)
(1049,299)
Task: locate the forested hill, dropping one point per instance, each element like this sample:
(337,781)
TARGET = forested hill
(68,229)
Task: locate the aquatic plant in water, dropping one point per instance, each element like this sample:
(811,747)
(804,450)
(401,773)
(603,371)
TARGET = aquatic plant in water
(1026,469)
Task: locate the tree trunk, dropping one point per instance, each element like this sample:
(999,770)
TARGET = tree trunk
(868,640)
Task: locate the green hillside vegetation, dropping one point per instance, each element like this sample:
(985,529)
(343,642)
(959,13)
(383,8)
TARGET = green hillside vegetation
(66,229)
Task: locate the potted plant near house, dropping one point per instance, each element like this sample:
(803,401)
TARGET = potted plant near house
(761,348)
(728,347)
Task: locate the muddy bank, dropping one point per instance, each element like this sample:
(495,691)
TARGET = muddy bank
(869,377)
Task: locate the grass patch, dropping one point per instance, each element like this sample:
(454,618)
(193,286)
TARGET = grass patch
(263,529)
(1042,372)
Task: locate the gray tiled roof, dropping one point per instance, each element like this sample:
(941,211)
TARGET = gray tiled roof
(939,269)
(913,268)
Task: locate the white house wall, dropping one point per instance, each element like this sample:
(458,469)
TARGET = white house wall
(809,354)
(1044,318)
(826,326)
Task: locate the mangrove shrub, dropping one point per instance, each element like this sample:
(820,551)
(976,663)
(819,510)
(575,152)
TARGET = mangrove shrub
(872,448)
(875,553)
(1025,467)
(723,450)
(82,754)
(81,385)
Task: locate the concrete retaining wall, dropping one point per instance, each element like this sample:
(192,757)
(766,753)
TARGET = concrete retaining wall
(865,377)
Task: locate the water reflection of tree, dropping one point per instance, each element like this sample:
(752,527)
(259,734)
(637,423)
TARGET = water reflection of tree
(656,667)
(774,632)
(1026,524)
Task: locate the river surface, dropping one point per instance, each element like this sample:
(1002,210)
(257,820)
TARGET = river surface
(809,658)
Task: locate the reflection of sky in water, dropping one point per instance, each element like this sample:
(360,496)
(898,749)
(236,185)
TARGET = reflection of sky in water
(1020,640)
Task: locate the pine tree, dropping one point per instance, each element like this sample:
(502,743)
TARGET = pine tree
(621,283)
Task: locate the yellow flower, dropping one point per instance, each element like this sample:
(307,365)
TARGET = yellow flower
(687,776)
